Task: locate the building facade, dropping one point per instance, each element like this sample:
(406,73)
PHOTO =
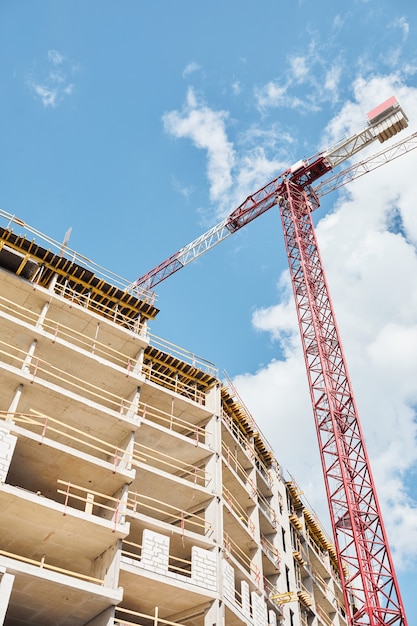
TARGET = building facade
(135,487)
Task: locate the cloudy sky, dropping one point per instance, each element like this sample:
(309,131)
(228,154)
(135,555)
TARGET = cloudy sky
(140,125)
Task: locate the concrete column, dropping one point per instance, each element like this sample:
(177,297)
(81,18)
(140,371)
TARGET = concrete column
(135,365)
(107,566)
(124,459)
(131,406)
(104,619)
(215,614)
(15,401)
(28,358)
(42,315)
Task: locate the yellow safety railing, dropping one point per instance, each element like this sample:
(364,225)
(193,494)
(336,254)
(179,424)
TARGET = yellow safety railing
(231,548)
(39,368)
(92,501)
(246,445)
(270,550)
(173,383)
(84,300)
(43,565)
(154,619)
(323,618)
(49,427)
(94,346)
(235,506)
(150,456)
(57,330)
(186,520)
(232,462)
(171,422)
(184,355)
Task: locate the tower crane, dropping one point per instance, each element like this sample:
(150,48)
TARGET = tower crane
(370,587)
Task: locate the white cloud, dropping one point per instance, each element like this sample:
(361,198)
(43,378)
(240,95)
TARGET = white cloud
(190,69)
(371,269)
(274,94)
(54,85)
(55,57)
(47,95)
(231,175)
(320,84)
(206,128)
(403,25)
(299,69)
(332,80)
(183,190)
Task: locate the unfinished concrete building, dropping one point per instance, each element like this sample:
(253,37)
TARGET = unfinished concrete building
(135,488)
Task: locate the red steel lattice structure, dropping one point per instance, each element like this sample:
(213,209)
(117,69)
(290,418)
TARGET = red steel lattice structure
(370,587)
(371,590)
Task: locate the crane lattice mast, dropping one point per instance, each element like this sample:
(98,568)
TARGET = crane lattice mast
(370,587)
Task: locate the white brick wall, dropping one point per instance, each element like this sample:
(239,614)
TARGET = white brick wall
(7,446)
(244,590)
(259,611)
(228,582)
(203,568)
(155,551)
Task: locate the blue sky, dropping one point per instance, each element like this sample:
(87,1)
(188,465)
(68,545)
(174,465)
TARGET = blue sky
(141,124)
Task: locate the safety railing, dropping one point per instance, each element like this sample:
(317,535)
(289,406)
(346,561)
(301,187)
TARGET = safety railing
(47,426)
(160,460)
(57,330)
(159,509)
(271,551)
(277,597)
(184,355)
(233,550)
(59,248)
(267,510)
(124,617)
(92,502)
(232,462)
(176,564)
(317,548)
(174,383)
(172,423)
(42,564)
(84,300)
(234,505)
(247,446)
(131,549)
(38,368)
(93,346)
(324,586)
(323,618)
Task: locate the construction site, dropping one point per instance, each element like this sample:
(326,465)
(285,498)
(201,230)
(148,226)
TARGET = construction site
(136,487)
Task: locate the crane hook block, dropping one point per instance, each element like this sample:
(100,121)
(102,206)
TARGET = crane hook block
(387,119)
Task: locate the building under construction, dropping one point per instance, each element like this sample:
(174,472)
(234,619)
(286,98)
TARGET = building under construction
(135,487)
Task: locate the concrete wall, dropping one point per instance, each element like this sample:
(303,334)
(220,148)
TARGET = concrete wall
(7,446)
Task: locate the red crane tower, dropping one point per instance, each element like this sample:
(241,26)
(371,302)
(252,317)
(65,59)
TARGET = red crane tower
(371,592)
